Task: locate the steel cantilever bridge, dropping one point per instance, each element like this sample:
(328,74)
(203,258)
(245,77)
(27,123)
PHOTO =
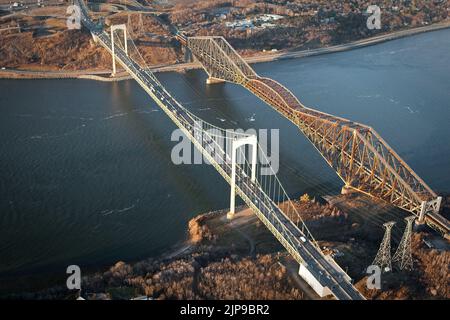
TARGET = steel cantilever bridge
(263,193)
(358,154)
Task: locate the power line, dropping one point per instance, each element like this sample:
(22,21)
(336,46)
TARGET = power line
(403,255)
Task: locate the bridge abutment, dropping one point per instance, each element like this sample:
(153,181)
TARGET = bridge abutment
(313,282)
(432,206)
(369,157)
(188,57)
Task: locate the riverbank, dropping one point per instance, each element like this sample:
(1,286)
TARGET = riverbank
(104,75)
(101,75)
(220,259)
(240,259)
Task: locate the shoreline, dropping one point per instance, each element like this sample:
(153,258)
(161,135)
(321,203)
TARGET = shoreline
(103,75)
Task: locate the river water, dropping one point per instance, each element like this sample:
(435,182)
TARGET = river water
(86,171)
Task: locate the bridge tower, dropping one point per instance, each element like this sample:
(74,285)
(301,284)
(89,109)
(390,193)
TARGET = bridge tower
(122,27)
(383,257)
(403,255)
(236,144)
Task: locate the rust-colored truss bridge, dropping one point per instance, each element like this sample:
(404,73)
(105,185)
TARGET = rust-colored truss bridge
(358,154)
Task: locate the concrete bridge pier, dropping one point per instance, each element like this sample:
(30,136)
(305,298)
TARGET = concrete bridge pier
(430,209)
(347,190)
(212,80)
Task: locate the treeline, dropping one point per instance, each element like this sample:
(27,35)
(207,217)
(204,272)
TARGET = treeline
(259,278)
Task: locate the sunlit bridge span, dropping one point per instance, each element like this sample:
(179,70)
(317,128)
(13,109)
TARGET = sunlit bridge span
(355,151)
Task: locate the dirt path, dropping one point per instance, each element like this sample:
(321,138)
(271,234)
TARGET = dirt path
(195,279)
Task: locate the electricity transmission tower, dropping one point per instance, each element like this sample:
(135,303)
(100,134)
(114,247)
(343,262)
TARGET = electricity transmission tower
(383,257)
(403,255)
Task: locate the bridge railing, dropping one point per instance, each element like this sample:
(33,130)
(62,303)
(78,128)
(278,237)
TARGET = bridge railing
(220,145)
(358,154)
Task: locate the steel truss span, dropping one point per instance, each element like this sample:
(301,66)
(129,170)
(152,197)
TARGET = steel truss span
(358,154)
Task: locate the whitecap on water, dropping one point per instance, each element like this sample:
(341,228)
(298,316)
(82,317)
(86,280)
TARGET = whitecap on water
(115,116)
(252,118)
